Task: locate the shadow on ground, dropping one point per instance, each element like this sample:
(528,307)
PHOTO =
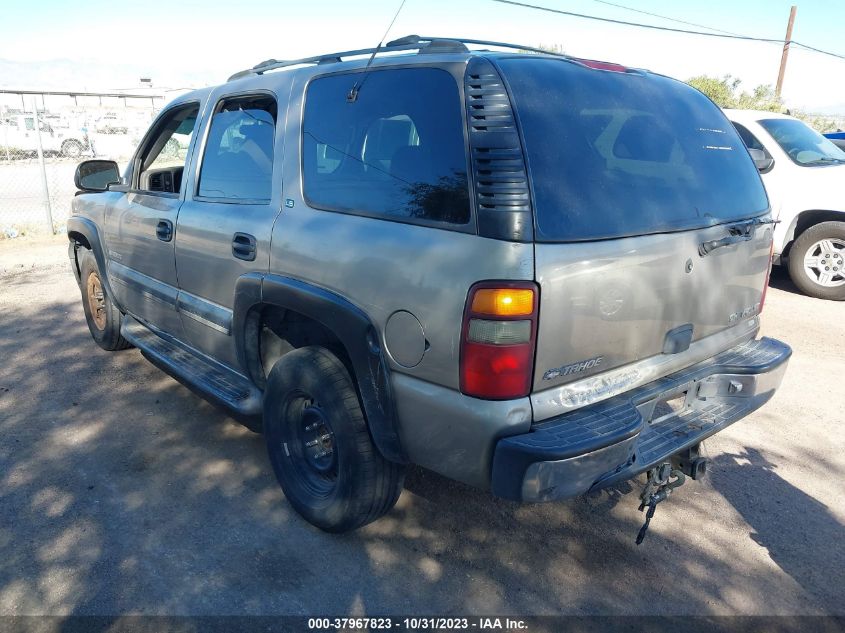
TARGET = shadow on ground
(120,491)
(781,280)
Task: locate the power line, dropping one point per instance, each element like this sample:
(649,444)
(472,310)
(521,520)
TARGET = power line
(655,27)
(664,17)
(639,24)
(817,50)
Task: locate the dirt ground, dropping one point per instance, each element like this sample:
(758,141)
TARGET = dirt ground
(122,492)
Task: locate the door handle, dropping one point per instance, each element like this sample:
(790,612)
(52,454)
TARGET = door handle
(243,246)
(164,230)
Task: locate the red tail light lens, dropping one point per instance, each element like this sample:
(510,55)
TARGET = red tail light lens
(498,340)
(597,65)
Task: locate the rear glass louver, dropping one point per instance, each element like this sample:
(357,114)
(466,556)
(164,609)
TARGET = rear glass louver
(502,199)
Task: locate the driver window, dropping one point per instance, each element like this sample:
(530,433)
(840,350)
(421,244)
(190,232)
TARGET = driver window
(163,159)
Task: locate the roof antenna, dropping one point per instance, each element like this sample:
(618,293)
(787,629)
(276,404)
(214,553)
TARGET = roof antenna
(352,96)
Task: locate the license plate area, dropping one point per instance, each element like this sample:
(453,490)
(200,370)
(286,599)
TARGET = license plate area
(667,405)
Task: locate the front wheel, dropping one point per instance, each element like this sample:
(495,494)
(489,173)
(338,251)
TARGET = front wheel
(817,261)
(320,447)
(103,317)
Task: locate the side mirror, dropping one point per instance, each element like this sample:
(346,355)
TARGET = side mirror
(96,175)
(764,163)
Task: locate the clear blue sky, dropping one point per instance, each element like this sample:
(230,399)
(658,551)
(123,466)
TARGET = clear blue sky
(206,40)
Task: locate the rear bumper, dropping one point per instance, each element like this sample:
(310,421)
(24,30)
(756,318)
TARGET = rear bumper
(619,438)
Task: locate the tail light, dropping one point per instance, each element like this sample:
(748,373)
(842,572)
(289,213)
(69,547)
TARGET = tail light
(768,275)
(498,339)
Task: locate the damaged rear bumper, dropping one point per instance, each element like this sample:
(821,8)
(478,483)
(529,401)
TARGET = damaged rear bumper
(619,438)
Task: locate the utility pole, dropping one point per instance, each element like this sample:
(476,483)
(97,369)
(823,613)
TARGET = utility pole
(785,53)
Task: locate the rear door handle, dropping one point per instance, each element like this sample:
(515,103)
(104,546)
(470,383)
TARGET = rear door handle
(164,230)
(243,246)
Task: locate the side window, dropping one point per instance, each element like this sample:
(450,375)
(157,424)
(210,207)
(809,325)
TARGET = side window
(751,141)
(238,159)
(30,123)
(397,151)
(163,157)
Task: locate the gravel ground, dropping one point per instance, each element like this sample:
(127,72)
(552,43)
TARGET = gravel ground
(122,492)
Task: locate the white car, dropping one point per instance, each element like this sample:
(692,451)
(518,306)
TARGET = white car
(17,133)
(804,174)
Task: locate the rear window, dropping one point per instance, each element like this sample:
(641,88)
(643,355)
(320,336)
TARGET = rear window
(620,154)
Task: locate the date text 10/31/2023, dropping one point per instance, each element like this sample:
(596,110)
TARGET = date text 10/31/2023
(417,624)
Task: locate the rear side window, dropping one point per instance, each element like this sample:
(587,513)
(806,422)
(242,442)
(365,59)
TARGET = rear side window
(396,152)
(618,154)
(238,160)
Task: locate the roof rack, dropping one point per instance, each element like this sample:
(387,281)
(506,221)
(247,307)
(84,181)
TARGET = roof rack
(407,43)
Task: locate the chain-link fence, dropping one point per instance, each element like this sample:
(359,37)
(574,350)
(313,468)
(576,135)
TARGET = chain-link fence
(43,136)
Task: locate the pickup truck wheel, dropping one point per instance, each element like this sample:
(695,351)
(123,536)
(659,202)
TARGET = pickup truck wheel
(71,149)
(817,261)
(103,317)
(320,446)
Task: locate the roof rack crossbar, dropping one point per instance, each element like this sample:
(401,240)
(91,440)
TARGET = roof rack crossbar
(407,43)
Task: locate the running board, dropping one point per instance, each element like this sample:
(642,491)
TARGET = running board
(200,374)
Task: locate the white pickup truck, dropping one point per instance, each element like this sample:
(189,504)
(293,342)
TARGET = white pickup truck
(17,134)
(804,174)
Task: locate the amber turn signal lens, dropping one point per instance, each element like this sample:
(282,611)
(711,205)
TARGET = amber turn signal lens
(503,301)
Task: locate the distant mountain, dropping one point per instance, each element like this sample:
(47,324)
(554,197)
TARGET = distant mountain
(835,110)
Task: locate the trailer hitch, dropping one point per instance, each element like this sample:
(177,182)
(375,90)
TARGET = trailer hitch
(662,480)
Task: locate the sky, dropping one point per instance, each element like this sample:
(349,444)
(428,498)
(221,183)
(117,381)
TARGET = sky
(98,45)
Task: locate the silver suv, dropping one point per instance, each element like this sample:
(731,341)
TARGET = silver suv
(535,274)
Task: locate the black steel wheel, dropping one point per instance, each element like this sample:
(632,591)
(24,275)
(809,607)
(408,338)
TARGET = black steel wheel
(319,444)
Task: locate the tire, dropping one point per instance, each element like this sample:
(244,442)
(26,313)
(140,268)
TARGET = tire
(103,317)
(343,482)
(71,149)
(817,261)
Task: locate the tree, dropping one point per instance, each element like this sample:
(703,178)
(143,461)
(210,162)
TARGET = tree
(726,93)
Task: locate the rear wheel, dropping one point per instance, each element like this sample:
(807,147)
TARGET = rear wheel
(320,447)
(817,261)
(103,317)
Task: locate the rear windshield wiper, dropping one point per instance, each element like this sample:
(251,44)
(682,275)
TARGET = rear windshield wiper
(738,233)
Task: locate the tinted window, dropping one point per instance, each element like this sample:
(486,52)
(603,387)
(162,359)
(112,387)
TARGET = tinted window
(617,154)
(238,160)
(397,151)
(803,144)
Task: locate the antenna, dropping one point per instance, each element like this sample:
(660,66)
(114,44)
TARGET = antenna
(352,97)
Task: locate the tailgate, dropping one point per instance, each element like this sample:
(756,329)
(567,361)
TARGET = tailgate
(611,303)
(651,225)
